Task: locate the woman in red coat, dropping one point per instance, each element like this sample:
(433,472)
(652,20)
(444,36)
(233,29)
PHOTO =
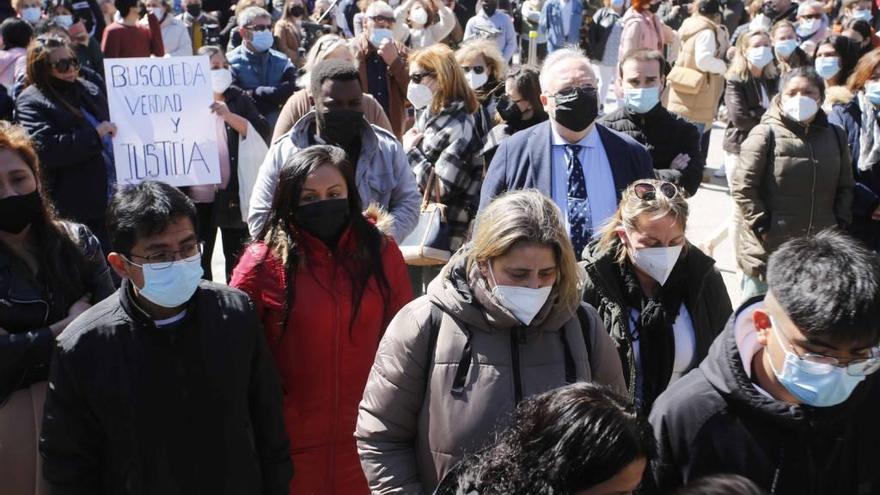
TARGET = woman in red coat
(325,282)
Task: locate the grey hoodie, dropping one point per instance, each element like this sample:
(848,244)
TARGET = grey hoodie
(412,429)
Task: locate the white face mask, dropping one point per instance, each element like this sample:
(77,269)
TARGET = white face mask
(221,79)
(760,56)
(64,21)
(419,95)
(418,16)
(159,12)
(476,81)
(800,108)
(808,27)
(522,302)
(657,262)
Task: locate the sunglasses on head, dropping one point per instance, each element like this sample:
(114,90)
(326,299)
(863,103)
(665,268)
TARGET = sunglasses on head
(259,28)
(648,192)
(65,64)
(478,69)
(416,77)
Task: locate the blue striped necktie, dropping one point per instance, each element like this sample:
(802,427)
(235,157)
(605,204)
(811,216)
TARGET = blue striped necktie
(578,202)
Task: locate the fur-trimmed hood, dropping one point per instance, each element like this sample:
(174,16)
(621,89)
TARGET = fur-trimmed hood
(379,217)
(836,95)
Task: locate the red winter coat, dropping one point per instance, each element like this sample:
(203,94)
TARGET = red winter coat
(323,366)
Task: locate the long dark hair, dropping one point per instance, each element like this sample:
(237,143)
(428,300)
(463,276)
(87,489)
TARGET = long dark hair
(560,442)
(279,231)
(60,254)
(848,51)
(38,71)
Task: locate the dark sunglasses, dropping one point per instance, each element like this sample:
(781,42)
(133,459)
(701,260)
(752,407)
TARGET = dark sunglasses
(478,69)
(380,18)
(648,192)
(812,16)
(65,64)
(259,28)
(417,77)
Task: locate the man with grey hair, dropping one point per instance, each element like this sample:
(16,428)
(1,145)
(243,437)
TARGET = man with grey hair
(581,164)
(265,74)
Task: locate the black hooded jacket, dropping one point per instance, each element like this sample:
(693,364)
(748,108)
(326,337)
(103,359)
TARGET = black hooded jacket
(715,421)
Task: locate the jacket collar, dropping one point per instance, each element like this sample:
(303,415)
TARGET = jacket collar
(139,315)
(655,113)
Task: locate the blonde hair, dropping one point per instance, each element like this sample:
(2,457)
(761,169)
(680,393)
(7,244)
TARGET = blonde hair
(527,217)
(739,66)
(323,46)
(439,59)
(489,50)
(631,208)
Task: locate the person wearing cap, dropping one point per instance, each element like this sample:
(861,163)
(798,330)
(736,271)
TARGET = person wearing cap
(382,64)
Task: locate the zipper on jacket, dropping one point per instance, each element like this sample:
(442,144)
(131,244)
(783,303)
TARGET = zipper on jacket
(514,362)
(813,187)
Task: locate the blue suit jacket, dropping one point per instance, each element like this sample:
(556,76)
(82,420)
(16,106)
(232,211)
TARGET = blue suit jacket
(552,21)
(524,161)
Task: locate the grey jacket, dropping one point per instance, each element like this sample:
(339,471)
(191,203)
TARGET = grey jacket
(382,174)
(413,427)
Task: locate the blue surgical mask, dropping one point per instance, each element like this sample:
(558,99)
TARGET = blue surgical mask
(785,47)
(262,40)
(31,14)
(862,15)
(64,21)
(379,34)
(642,100)
(872,92)
(171,286)
(617,3)
(827,67)
(812,383)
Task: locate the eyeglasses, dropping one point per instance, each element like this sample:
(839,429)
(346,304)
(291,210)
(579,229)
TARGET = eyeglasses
(165,259)
(812,16)
(416,77)
(258,28)
(381,18)
(65,64)
(820,364)
(648,192)
(478,69)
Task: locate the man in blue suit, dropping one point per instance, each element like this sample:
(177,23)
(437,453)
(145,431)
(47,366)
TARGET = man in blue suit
(561,23)
(582,165)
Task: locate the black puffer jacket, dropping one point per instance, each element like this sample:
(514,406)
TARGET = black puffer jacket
(28,306)
(192,407)
(744,109)
(70,150)
(715,421)
(665,135)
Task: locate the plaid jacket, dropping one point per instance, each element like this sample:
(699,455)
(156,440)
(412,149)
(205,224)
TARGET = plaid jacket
(451,148)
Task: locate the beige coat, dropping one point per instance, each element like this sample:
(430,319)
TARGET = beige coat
(411,429)
(701,107)
(792,182)
(298,105)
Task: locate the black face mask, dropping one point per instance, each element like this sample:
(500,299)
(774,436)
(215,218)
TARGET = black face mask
(770,10)
(17,212)
(194,9)
(490,9)
(654,7)
(296,11)
(324,219)
(576,108)
(341,127)
(142,10)
(509,111)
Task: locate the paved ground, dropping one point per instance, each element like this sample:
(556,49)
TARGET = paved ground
(710,211)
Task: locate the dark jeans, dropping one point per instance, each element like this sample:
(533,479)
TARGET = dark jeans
(233,240)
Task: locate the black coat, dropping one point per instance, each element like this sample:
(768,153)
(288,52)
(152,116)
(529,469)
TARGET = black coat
(744,109)
(665,135)
(28,305)
(715,421)
(191,408)
(70,150)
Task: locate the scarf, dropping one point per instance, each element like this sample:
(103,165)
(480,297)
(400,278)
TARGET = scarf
(869,134)
(653,329)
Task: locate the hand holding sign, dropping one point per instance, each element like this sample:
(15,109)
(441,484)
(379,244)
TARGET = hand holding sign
(105,128)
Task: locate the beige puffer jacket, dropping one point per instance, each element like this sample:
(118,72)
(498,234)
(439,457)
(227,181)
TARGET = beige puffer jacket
(701,107)
(793,181)
(412,428)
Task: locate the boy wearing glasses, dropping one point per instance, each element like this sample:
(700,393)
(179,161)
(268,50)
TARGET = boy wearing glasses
(166,386)
(787,395)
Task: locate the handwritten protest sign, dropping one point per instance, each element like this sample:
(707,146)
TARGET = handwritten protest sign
(165,128)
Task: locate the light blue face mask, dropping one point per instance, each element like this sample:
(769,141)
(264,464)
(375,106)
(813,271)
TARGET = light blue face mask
(827,67)
(379,34)
(642,100)
(862,15)
(262,40)
(785,47)
(813,383)
(174,285)
(872,92)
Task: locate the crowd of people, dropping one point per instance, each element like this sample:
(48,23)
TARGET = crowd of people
(464,265)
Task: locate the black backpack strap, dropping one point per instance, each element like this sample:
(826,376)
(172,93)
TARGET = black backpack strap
(464,364)
(584,323)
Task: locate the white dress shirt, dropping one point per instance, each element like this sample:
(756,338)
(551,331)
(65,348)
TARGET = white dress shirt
(601,193)
(567,7)
(685,347)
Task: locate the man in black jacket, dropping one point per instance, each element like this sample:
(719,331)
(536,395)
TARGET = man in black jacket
(787,395)
(673,142)
(165,387)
